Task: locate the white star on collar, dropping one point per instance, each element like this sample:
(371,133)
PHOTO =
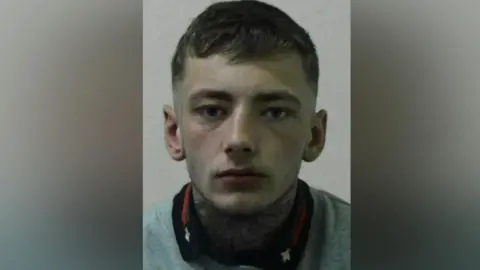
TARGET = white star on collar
(187,235)
(285,255)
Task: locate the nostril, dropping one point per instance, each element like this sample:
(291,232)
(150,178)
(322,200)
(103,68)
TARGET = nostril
(232,149)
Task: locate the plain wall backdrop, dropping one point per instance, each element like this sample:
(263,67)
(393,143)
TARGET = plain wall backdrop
(328,23)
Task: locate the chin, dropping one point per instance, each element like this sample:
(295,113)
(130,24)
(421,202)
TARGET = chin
(240,203)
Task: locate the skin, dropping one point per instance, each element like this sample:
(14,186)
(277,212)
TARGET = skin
(258,114)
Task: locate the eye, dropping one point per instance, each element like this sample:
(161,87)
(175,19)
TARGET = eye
(211,111)
(277,113)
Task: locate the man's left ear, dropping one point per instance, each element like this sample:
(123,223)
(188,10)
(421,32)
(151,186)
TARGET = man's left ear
(318,134)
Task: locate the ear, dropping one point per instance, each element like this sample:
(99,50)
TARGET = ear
(318,135)
(173,140)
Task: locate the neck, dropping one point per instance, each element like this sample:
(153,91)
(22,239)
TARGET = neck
(235,233)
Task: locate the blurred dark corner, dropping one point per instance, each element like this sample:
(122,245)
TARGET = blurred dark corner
(414,135)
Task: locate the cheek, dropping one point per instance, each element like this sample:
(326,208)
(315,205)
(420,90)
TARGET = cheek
(288,152)
(288,138)
(200,143)
(285,146)
(194,146)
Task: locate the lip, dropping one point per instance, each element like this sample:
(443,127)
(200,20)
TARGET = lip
(240,173)
(241,177)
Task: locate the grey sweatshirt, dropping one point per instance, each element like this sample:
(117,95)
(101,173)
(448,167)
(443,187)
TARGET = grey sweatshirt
(327,247)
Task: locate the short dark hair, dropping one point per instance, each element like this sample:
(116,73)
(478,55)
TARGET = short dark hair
(245,29)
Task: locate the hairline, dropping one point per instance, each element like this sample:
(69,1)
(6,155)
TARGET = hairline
(189,54)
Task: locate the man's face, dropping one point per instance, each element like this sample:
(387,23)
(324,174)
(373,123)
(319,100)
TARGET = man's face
(244,129)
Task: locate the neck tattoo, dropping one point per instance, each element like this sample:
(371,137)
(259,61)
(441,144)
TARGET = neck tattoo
(238,233)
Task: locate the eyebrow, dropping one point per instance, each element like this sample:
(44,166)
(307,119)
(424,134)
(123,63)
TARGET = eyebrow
(221,95)
(261,97)
(276,95)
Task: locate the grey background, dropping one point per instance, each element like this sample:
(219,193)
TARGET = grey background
(327,21)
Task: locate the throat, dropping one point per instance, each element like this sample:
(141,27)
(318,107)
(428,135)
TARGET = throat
(236,233)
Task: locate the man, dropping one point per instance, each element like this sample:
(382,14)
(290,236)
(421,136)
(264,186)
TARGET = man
(245,79)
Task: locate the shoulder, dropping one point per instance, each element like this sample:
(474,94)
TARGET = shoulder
(156,213)
(336,229)
(159,243)
(336,210)
(158,229)
(157,220)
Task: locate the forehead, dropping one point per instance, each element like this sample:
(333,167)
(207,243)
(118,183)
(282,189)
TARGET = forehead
(247,78)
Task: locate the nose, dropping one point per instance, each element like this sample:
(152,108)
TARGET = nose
(240,139)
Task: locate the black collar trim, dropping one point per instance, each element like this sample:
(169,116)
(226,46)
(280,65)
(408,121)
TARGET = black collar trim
(284,252)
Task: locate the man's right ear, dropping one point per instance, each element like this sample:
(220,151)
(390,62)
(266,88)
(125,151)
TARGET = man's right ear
(173,140)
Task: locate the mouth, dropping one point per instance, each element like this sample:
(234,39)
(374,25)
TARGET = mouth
(241,178)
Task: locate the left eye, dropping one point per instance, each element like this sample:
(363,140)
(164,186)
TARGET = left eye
(276,113)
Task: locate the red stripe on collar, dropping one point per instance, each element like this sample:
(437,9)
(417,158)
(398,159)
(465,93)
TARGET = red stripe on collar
(300,224)
(186,198)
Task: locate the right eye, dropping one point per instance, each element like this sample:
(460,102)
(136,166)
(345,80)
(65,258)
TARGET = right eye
(211,111)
